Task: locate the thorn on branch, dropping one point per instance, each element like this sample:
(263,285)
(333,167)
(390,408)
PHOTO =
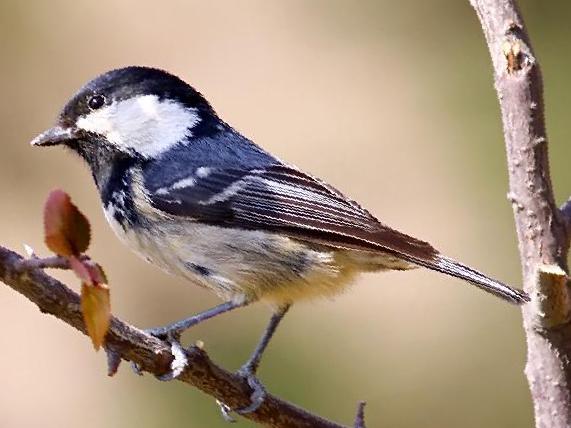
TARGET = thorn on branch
(360,418)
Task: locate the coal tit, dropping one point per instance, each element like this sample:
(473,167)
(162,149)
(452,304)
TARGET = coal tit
(190,194)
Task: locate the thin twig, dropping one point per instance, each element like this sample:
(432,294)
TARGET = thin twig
(149,353)
(360,417)
(54,262)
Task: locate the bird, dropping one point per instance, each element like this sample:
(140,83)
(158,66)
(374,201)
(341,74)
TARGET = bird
(193,196)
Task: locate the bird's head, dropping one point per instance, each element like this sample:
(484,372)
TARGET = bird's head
(134,111)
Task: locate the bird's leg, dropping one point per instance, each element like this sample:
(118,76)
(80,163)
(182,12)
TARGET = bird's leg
(248,370)
(175,329)
(172,332)
(251,366)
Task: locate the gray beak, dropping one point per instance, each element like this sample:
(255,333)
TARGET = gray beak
(56,135)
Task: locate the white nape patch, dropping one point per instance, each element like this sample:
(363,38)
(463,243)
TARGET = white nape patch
(143,123)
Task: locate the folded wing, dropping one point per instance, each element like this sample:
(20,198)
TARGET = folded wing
(283,199)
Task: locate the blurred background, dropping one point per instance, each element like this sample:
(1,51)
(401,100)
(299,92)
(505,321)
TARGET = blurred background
(391,102)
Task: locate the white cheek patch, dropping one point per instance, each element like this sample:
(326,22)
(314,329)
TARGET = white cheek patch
(143,124)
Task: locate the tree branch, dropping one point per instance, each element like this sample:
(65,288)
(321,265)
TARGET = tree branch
(542,229)
(149,353)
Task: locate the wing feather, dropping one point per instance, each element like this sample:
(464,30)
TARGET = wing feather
(282,199)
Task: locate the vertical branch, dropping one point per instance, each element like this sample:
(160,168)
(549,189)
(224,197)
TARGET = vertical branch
(541,228)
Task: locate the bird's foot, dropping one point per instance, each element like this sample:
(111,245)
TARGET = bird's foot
(258,391)
(171,334)
(179,361)
(168,333)
(256,398)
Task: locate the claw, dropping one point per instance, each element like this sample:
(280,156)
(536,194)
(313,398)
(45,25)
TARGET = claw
(179,361)
(164,333)
(258,391)
(171,333)
(257,397)
(137,369)
(226,411)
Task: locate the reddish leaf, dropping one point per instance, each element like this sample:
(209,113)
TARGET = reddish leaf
(96,272)
(88,271)
(66,229)
(80,268)
(96,309)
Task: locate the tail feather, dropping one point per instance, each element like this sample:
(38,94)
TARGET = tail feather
(453,268)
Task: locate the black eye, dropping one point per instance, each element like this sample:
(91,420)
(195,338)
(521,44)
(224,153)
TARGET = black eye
(96,101)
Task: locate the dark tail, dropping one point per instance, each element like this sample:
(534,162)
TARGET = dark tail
(453,268)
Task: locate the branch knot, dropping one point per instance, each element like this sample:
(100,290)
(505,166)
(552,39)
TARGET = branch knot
(552,304)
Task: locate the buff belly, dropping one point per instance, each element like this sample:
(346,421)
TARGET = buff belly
(251,265)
